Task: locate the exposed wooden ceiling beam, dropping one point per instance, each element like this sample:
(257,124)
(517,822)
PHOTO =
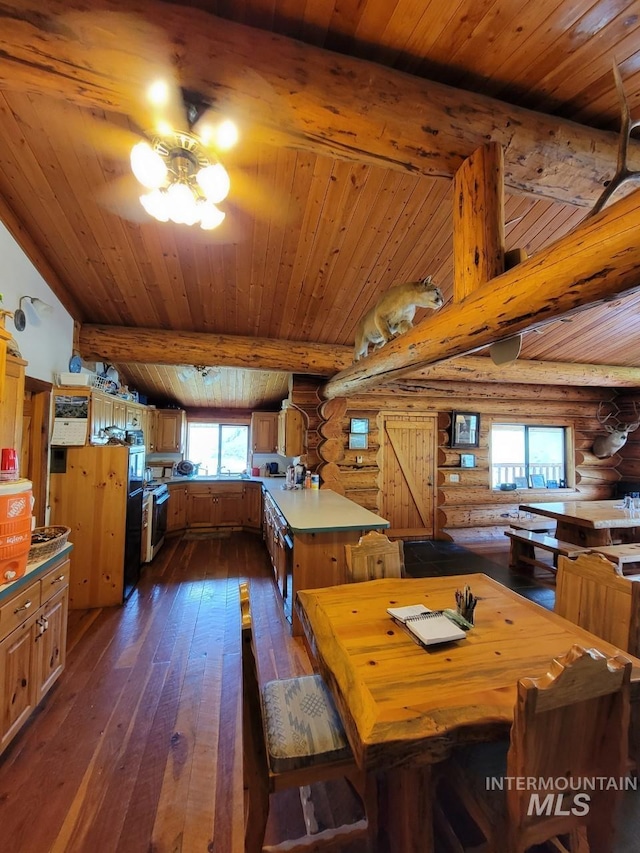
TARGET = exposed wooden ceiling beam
(300,96)
(158,346)
(597,261)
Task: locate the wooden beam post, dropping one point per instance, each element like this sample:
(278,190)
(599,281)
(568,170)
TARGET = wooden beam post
(478,220)
(597,261)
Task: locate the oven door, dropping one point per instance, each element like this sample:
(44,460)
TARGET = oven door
(159,521)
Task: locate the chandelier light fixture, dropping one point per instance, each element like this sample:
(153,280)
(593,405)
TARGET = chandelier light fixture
(190,371)
(185,181)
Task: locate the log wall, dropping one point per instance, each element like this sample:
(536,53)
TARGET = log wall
(467,509)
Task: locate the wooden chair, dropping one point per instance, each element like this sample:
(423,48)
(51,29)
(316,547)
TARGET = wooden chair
(570,724)
(292,737)
(375,556)
(591,593)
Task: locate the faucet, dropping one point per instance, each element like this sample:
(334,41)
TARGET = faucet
(225,470)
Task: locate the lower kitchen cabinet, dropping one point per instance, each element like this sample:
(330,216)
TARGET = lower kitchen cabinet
(252,509)
(177,511)
(215,505)
(33,631)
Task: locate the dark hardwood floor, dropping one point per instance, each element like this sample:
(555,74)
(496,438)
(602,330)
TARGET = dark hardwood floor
(137,747)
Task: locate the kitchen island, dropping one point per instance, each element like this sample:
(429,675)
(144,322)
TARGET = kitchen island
(305,530)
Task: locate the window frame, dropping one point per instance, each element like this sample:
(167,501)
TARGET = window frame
(220,424)
(569,446)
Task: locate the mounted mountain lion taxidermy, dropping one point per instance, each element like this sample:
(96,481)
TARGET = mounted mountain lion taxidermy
(393,314)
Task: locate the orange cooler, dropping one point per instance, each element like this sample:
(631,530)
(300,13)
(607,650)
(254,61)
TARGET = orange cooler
(15,528)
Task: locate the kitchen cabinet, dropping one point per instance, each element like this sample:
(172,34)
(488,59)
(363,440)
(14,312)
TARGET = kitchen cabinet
(290,432)
(170,430)
(4,337)
(274,531)
(133,415)
(177,511)
(252,510)
(33,630)
(12,404)
(264,432)
(215,505)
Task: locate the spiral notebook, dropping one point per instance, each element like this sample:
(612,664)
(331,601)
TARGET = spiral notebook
(427,626)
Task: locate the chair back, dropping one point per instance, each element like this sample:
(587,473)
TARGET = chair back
(592,594)
(570,725)
(375,556)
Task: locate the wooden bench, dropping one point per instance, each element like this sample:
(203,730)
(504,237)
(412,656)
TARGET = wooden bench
(535,525)
(619,554)
(524,543)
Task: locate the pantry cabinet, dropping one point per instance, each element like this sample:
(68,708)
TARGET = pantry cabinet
(290,432)
(264,432)
(33,631)
(12,403)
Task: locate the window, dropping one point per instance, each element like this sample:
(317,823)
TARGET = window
(218,448)
(528,455)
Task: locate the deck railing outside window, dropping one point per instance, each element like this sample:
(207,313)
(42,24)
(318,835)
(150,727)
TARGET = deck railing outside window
(505,472)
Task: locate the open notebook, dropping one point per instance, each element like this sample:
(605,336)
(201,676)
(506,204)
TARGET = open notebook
(427,626)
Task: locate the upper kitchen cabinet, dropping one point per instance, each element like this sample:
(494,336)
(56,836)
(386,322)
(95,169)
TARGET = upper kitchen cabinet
(170,430)
(290,432)
(264,432)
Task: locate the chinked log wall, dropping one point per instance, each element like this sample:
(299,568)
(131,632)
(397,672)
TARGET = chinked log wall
(629,466)
(469,510)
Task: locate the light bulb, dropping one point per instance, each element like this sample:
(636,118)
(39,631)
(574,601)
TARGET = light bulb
(215,182)
(226,135)
(42,308)
(148,166)
(158,93)
(210,216)
(155,203)
(182,205)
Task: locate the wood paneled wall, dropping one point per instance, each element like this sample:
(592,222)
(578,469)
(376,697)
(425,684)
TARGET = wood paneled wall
(467,510)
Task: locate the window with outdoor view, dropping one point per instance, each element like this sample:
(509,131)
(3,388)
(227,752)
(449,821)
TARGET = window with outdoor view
(529,456)
(218,448)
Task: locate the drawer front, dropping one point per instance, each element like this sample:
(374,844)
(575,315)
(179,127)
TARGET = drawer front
(19,608)
(55,580)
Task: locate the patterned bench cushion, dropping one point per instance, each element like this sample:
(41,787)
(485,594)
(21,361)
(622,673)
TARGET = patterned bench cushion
(302,726)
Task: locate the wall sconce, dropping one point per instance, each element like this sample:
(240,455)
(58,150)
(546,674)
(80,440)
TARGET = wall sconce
(207,374)
(41,308)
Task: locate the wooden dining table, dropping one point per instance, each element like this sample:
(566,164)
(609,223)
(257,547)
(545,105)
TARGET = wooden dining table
(590,523)
(405,707)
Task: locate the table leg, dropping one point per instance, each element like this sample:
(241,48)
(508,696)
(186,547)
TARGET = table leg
(405,810)
(583,536)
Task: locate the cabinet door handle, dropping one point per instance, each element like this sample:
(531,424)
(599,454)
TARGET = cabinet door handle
(59,579)
(25,606)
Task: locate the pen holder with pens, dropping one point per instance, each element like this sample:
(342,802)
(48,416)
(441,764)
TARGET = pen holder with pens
(466,605)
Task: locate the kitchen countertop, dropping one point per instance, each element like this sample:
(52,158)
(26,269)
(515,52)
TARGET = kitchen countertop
(33,570)
(306,510)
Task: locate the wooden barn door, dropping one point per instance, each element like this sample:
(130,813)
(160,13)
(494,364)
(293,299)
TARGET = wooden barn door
(408,474)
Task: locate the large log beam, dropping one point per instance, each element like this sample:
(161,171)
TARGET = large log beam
(159,346)
(300,96)
(597,261)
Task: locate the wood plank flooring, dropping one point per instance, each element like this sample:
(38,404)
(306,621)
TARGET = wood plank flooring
(137,747)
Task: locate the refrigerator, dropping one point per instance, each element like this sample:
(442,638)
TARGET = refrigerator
(97,492)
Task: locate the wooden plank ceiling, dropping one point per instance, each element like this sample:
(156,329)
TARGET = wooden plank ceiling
(310,242)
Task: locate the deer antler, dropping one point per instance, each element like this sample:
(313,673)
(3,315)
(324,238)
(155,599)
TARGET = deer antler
(633,425)
(622,174)
(602,420)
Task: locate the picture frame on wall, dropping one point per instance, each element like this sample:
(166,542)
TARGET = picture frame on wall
(359,425)
(358,441)
(465,429)
(467,460)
